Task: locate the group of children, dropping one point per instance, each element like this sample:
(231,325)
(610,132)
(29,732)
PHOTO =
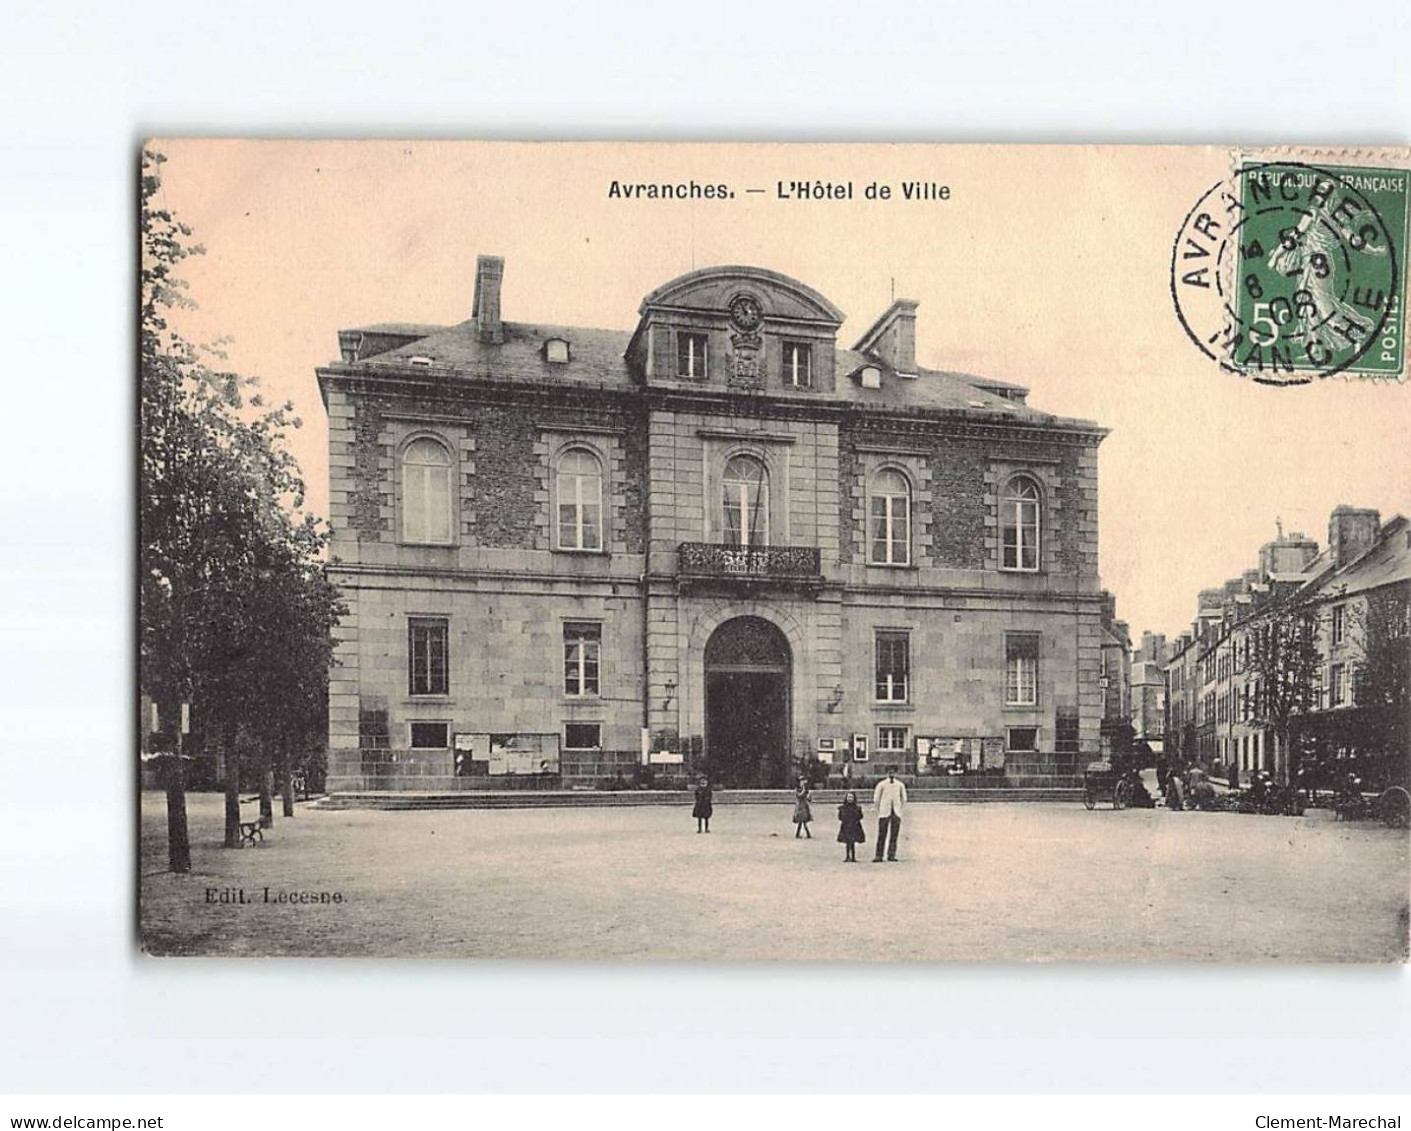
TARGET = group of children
(850,833)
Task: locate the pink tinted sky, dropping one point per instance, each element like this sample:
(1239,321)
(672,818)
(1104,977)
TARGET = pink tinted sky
(1049,266)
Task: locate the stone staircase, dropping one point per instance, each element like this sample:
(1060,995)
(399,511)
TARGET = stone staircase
(601,799)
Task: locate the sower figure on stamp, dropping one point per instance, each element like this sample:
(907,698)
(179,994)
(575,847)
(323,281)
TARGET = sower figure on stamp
(890,799)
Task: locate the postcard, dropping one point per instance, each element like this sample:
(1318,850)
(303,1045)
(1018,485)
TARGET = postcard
(793,552)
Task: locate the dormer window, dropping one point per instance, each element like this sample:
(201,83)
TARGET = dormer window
(870,377)
(691,355)
(421,361)
(556,351)
(798,367)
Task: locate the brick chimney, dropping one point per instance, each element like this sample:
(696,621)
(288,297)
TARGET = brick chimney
(892,338)
(1351,533)
(489,271)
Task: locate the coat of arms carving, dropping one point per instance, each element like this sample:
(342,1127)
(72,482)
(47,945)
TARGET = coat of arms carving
(747,360)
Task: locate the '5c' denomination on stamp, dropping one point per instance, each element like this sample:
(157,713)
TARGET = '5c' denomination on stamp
(1287,272)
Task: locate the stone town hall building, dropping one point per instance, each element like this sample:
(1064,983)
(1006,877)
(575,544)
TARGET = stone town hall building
(720,541)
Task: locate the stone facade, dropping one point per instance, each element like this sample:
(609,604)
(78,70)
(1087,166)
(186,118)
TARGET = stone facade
(461,665)
(1149,687)
(1214,687)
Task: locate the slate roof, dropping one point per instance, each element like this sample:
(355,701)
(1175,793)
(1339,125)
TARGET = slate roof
(1387,562)
(934,389)
(399,329)
(596,360)
(594,356)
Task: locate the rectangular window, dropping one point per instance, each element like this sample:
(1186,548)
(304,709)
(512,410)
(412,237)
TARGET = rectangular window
(1022,739)
(582,645)
(430,736)
(893,666)
(582,736)
(691,355)
(892,738)
(428,666)
(1339,623)
(1337,685)
(1021,678)
(798,365)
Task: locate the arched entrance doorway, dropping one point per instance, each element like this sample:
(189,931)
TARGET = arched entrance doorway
(747,687)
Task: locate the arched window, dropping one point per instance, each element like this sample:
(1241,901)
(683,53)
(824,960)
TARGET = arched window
(426,492)
(891,519)
(580,500)
(1019,524)
(746,485)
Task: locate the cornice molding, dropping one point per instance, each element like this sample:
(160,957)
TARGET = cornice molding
(756,435)
(916,423)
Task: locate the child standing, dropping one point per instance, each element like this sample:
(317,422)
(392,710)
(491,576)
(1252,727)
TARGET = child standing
(803,812)
(703,807)
(850,833)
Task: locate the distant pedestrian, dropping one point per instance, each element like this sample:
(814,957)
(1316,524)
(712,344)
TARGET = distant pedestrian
(1175,791)
(890,799)
(703,807)
(850,831)
(803,812)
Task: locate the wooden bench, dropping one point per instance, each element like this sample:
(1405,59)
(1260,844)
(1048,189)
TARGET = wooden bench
(251,833)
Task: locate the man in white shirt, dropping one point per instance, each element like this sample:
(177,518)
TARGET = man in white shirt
(890,799)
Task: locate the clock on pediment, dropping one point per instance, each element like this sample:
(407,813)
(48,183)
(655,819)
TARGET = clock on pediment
(746,313)
(746,357)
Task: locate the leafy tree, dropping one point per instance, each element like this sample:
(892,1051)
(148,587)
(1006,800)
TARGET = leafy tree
(1284,656)
(1382,680)
(235,611)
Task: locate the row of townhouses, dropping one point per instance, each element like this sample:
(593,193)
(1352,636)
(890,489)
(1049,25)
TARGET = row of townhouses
(719,540)
(1344,694)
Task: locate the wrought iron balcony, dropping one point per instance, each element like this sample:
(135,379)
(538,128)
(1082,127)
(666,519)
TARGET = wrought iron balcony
(789,566)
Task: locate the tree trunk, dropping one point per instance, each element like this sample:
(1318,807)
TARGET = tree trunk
(1290,762)
(178,838)
(266,796)
(286,780)
(232,790)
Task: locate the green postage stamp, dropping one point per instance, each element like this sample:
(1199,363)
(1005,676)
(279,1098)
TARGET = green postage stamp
(1286,272)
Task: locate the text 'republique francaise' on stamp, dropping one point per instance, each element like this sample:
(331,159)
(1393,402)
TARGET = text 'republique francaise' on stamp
(1285,272)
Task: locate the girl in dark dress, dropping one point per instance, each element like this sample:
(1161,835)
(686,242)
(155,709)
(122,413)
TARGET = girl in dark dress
(850,833)
(803,812)
(703,807)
